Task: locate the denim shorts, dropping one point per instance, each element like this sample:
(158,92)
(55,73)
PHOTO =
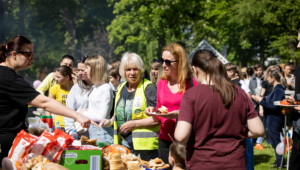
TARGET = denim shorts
(102,134)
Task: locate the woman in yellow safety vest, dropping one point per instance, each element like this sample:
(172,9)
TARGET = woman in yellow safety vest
(132,127)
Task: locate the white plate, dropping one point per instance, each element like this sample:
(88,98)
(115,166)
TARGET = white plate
(277,103)
(157,114)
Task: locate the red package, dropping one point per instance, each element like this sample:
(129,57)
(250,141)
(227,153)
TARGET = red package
(64,141)
(22,143)
(45,142)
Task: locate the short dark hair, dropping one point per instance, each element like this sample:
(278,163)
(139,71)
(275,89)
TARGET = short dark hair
(298,30)
(67,56)
(256,66)
(178,152)
(114,72)
(250,71)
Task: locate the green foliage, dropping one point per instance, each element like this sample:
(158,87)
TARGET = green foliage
(249,28)
(61,27)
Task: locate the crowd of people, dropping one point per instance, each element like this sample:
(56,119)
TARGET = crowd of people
(212,108)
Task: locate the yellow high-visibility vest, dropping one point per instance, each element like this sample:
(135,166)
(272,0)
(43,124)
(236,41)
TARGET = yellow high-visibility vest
(142,138)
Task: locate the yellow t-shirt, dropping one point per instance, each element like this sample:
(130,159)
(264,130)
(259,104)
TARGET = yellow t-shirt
(61,96)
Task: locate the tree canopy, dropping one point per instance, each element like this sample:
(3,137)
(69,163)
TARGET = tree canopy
(246,31)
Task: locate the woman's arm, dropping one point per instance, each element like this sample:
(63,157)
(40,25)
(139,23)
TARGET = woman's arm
(141,123)
(278,96)
(182,132)
(45,85)
(56,107)
(255,127)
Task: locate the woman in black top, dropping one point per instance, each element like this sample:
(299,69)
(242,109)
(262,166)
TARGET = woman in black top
(16,93)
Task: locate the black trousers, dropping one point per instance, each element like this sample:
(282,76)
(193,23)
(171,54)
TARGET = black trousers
(6,140)
(163,150)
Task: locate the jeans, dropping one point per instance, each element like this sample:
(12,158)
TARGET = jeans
(102,135)
(249,154)
(143,154)
(275,124)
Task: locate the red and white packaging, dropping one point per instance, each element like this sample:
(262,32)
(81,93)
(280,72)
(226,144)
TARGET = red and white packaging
(64,140)
(43,144)
(21,145)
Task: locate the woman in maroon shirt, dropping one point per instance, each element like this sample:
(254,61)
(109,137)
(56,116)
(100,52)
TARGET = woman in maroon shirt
(213,118)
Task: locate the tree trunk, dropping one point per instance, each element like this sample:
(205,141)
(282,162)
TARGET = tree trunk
(21,18)
(71,29)
(1,22)
(161,44)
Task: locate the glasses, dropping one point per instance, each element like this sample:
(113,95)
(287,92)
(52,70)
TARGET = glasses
(82,59)
(168,62)
(156,60)
(27,54)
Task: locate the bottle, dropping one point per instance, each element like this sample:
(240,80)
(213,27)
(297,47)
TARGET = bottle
(57,126)
(74,134)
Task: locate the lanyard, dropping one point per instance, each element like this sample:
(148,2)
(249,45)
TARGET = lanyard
(125,93)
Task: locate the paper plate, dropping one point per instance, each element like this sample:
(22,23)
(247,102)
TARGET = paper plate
(277,103)
(158,114)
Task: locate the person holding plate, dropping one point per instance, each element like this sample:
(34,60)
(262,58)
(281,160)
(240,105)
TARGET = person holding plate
(176,79)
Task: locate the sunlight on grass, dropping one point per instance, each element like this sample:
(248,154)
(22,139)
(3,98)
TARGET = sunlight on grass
(264,158)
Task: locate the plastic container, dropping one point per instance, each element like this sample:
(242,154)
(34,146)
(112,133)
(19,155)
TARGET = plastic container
(74,134)
(49,121)
(36,126)
(57,126)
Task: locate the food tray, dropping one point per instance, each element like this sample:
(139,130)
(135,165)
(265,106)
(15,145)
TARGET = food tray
(277,103)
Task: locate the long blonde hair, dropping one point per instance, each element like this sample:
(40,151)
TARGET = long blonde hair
(98,72)
(184,68)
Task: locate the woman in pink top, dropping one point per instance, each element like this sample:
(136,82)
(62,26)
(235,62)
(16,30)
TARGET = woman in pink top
(175,81)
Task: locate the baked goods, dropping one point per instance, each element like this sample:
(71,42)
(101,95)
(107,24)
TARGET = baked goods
(86,140)
(116,163)
(133,165)
(156,164)
(37,162)
(163,110)
(107,152)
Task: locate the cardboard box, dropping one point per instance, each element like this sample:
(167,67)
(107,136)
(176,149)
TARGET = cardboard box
(82,159)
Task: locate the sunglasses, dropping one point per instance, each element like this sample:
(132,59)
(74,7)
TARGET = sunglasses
(168,62)
(155,60)
(27,54)
(82,59)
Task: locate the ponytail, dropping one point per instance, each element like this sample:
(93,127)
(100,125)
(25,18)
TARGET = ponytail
(211,66)
(3,51)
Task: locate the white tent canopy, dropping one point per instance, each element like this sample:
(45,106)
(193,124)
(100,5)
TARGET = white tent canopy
(205,45)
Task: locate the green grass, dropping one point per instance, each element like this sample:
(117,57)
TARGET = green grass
(264,158)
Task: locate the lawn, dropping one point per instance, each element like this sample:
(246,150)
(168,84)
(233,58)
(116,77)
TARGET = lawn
(264,158)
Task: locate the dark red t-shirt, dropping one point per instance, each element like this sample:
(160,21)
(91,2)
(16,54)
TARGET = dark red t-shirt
(218,134)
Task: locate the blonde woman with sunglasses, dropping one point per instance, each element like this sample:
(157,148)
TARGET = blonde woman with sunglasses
(176,79)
